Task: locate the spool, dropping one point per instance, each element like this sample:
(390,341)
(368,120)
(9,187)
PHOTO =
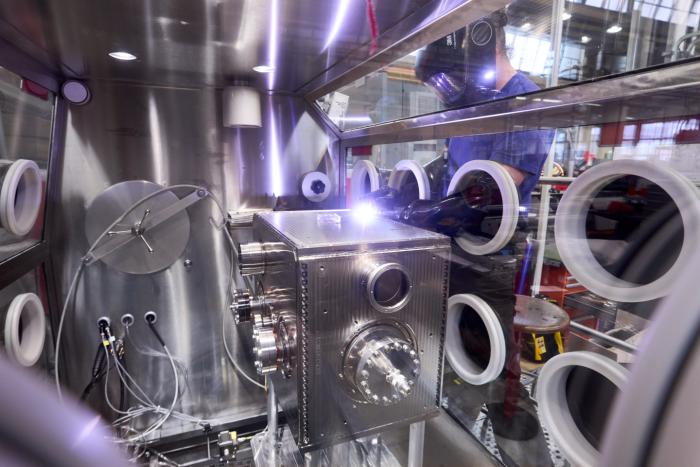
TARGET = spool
(365,179)
(400,172)
(554,408)
(462,363)
(25,329)
(511,204)
(20,196)
(570,228)
(315,186)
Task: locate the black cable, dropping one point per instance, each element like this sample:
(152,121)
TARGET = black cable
(153,329)
(98,371)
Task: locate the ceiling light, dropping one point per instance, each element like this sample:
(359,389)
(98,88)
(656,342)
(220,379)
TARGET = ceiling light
(120,55)
(614,29)
(526,27)
(566,15)
(264,68)
(585,39)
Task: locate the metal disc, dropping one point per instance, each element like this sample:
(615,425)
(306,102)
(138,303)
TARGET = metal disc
(167,239)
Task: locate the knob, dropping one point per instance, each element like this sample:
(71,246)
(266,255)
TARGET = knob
(260,258)
(382,365)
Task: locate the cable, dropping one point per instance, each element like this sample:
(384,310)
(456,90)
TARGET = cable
(147,405)
(231,359)
(85,257)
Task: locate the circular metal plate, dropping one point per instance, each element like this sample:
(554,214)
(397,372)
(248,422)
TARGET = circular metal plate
(168,239)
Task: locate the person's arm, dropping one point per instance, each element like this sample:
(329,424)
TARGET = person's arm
(516,174)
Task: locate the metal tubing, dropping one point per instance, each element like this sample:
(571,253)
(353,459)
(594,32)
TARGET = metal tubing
(613,341)
(272,419)
(546,180)
(415,444)
(542,224)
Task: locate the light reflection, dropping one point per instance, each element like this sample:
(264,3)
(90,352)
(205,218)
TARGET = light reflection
(160,169)
(365,212)
(614,29)
(355,119)
(273,42)
(274,152)
(340,14)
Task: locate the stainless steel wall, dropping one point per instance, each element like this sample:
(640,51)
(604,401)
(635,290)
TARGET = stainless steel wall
(169,136)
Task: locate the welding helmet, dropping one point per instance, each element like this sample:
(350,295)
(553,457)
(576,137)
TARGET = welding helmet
(461,67)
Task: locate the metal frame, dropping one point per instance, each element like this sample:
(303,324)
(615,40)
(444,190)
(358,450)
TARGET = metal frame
(604,100)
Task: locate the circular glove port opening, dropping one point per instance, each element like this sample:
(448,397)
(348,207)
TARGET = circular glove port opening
(589,396)
(475,345)
(575,393)
(20,196)
(644,213)
(634,229)
(389,287)
(364,180)
(490,211)
(411,180)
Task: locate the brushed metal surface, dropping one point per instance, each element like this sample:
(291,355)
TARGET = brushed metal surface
(344,230)
(170,136)
(196,42)
(160,247)
(325,298)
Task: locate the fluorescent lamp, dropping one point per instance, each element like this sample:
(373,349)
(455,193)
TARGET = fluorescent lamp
(614,29)
(264,68)
(585,39)
(121,55)
(565,16)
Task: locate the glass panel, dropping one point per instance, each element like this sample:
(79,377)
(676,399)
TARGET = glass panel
(26,111)
(511,52)
(631,225)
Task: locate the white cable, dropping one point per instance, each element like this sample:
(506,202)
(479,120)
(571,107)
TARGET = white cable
(71,289)
(231,359)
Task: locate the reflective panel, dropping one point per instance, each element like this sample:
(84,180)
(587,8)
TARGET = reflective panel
(26,112)
(543,331)
(528,46)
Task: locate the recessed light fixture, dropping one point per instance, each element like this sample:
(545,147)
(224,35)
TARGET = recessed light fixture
(264,68)
(121,55)
(585,39)
(614,29)
(526,27)
(566,15)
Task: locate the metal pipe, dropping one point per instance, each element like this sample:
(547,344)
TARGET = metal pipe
(613,341)
(271,407)
(415,444)
(542,224)
(557,27)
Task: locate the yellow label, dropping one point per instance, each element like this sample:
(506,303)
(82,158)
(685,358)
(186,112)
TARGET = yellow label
(540,347)
(560,343)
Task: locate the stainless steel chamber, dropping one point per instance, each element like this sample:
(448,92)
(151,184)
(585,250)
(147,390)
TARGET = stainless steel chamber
(348,318)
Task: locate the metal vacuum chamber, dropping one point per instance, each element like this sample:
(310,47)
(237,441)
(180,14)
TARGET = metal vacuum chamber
(348,318)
